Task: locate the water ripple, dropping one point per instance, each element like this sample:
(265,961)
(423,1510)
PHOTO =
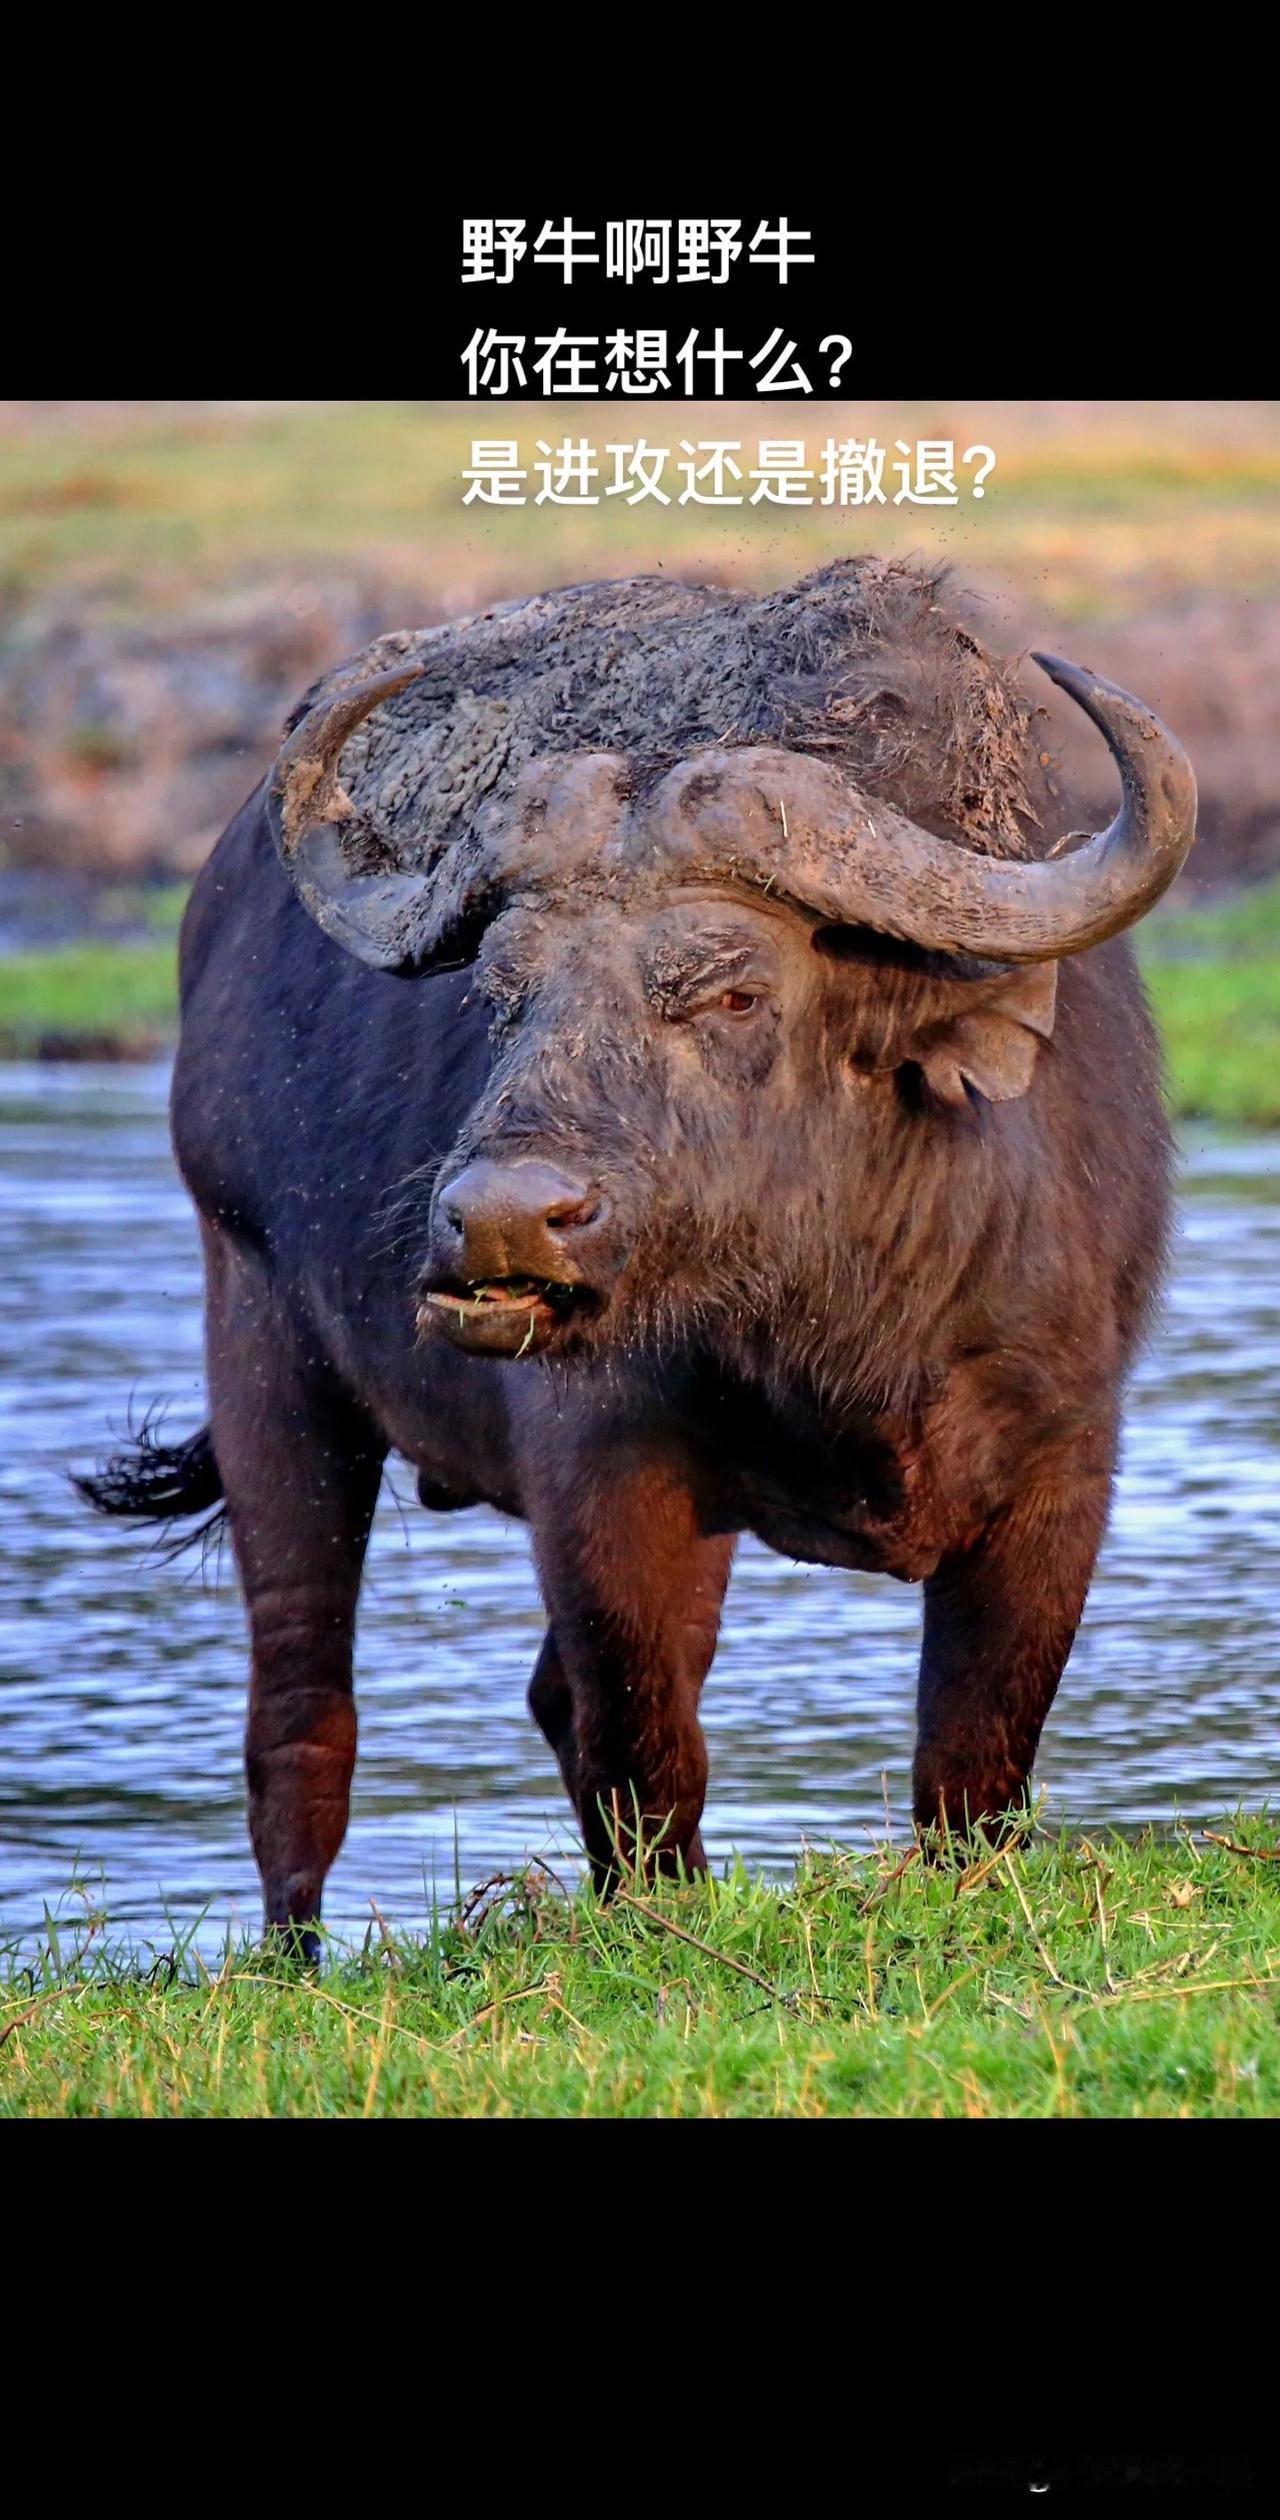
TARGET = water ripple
(121,1685)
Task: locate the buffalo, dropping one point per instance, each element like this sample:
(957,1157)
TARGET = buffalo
(645,1059)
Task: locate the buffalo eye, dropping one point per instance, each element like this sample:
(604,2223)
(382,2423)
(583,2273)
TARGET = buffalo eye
(693,1004)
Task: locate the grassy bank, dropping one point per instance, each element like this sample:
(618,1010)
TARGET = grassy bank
(109,993)
(89,1001)
(1066,1979)
(1214,977)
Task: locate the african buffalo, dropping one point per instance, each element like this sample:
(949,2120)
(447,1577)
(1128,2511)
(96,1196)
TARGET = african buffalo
(672,1088)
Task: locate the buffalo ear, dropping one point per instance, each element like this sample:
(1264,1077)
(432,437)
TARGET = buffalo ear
(992,1040)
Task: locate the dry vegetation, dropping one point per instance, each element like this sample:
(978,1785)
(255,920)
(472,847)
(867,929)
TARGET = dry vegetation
(172,575)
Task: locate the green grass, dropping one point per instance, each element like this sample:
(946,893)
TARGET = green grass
(1214,977)
(1109,1978)
(1221,1026)
(155,908)
(117,997)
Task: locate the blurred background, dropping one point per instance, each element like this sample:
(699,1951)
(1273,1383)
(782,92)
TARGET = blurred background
(172,576)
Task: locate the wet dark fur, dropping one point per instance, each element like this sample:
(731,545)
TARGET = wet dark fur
(878,1330)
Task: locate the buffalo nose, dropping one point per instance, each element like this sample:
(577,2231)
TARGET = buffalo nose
(515,1220)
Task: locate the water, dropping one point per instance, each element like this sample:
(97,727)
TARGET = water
(121,1682)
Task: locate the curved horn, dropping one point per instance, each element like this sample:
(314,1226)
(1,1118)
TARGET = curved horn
(379,914)
(1124,870)
(855,859)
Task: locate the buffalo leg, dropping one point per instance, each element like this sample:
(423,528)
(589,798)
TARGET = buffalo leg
(1000,1620)
(634,1591)
(301,1468)
(551,1705)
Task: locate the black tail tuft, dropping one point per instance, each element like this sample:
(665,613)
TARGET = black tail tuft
(154,1482)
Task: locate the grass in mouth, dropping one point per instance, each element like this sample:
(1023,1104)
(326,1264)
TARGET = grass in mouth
(1095,1977)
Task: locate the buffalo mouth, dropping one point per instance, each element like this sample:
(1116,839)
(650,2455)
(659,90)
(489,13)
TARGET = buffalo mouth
(512,1317)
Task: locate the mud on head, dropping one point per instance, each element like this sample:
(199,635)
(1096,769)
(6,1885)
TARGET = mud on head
(703,965)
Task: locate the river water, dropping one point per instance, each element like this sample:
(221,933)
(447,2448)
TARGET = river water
(121,1680)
